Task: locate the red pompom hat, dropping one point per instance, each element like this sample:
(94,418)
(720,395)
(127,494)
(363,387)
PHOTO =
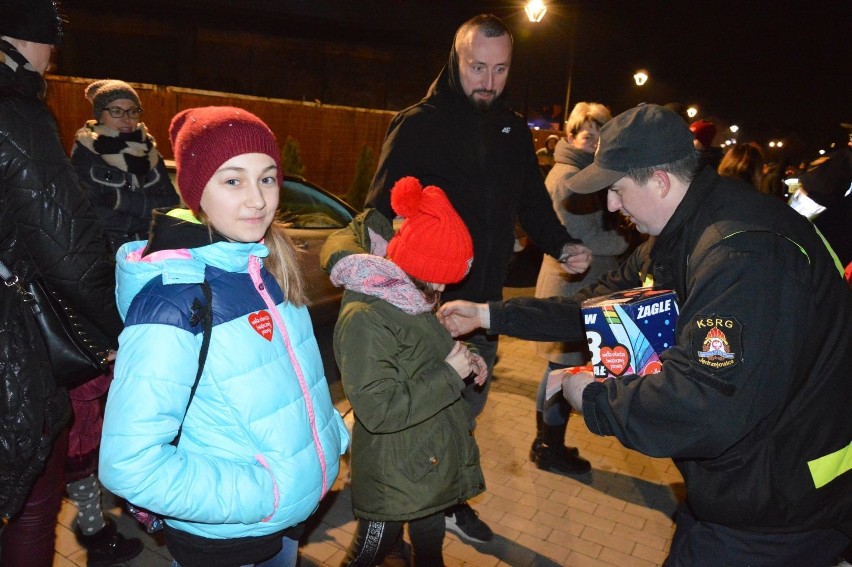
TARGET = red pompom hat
(433,243)
(204,138)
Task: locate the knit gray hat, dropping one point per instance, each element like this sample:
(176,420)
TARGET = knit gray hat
(102,93)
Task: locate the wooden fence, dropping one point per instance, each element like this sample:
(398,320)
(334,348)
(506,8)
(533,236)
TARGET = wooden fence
(330,137)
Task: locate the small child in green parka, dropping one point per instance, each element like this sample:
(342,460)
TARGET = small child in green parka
(413,454)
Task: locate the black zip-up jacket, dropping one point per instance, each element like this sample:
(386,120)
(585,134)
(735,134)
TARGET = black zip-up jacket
(122,199)
(485,163)
(763,438)
(46,228)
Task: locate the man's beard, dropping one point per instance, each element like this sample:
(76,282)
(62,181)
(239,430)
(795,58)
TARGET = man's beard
(483,105)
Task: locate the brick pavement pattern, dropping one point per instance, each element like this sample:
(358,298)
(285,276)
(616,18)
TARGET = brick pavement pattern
(617,515)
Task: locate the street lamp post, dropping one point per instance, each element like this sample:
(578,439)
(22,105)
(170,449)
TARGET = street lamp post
(536,9)
(573,48)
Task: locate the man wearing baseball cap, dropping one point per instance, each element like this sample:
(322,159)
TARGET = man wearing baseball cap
(761,435)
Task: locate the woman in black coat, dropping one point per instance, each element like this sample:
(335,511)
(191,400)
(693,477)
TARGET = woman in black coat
(118,164)
(46,228)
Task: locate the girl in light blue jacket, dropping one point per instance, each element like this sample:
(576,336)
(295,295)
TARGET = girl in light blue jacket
(259,439)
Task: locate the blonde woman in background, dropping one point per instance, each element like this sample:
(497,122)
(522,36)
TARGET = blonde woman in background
(586,217)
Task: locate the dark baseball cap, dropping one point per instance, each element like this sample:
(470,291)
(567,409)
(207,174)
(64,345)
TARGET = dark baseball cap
(644,136)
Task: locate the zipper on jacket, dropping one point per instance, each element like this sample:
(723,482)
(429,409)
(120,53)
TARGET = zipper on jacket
(254,272)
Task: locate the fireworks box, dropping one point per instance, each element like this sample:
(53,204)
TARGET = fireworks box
(628,330)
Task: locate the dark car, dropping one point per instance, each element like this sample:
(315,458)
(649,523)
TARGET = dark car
(312,214)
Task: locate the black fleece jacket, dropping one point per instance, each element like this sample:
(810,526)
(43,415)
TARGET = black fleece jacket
(485,163)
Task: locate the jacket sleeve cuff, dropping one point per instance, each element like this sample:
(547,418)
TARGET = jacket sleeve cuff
(595,394)
(495,317)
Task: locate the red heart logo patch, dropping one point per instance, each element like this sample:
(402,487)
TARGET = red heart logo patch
(615,359)
(261,322)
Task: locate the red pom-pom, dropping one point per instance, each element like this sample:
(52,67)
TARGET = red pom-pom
(406,195)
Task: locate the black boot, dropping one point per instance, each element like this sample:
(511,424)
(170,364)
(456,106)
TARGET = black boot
(536,444)
(553,454)
(108,547)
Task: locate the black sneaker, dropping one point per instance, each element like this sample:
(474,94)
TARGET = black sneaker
(464,521)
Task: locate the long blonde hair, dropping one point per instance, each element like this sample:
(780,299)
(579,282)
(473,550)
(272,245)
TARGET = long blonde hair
(283,264)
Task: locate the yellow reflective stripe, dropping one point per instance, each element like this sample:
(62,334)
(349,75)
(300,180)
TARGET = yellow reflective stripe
(827,468)
(833,255)
(184,215)
(796,244)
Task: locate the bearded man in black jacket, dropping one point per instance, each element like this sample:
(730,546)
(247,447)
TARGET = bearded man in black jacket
(464,138)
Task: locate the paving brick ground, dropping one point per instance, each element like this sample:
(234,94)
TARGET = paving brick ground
(618,515)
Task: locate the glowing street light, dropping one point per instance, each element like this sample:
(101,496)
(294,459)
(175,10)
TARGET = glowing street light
(535,10)
(734,128)
(641,77)
(692,111)
(776,144)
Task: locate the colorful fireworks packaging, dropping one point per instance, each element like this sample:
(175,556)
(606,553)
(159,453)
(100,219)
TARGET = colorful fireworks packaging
(628,330)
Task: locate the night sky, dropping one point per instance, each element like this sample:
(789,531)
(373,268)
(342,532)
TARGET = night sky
(776,69)
(779,70)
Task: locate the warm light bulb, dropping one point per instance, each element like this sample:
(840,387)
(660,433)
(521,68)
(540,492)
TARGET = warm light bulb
(535,10)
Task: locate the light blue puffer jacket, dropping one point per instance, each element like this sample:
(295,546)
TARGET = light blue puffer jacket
(261,440)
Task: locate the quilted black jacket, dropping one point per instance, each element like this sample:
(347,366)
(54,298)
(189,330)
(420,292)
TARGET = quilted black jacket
(46,227)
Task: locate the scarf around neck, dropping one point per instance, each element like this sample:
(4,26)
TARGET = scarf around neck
(134,153)
(17,75)
(378,277)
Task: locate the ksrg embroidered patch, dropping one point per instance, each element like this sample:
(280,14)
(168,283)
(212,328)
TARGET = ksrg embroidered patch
(717,342)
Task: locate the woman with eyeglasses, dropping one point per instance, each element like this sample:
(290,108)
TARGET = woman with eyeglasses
(118,164)
(122,172)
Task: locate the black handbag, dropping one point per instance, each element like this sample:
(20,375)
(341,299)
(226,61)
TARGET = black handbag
(75,355)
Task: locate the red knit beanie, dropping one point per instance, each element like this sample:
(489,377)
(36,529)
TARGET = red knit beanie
(433,244)
(205,138)
(704,132)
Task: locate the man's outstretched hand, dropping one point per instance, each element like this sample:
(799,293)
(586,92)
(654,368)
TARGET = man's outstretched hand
(461,317)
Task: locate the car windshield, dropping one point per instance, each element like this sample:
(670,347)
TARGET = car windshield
(302,206)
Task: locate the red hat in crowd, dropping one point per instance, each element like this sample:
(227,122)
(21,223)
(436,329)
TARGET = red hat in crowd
(433,243)
(704,132)
(205,138)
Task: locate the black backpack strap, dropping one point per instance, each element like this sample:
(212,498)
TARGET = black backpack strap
(201,313)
